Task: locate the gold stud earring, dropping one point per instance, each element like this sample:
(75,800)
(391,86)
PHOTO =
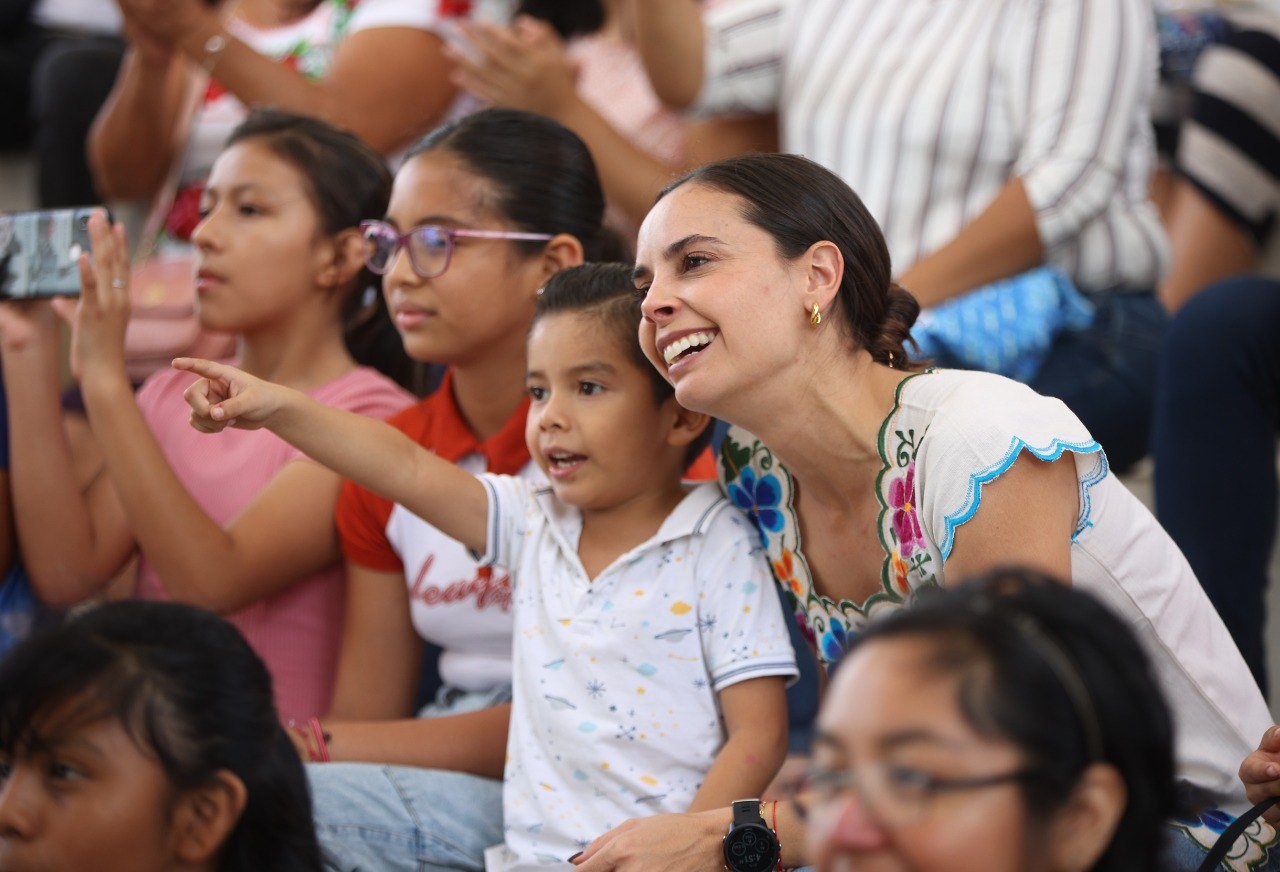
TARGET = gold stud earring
(815,317)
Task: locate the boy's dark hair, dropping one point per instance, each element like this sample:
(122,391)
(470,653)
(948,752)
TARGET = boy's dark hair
(348,182)
(608,291)
(1052,670)
(191,693)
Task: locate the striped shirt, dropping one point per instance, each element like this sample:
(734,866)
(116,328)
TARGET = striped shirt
(1230,145)
(927,108)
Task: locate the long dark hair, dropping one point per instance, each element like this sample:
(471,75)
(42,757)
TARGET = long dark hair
(799,202)
(347,182)
(1052,670)
(541,174)
(191,693)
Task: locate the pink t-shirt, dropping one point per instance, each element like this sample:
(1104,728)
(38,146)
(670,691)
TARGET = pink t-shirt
(298,630)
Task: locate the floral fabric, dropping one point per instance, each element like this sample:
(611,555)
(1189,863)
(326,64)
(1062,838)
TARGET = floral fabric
(1256,850)
(760,486)
(949,435)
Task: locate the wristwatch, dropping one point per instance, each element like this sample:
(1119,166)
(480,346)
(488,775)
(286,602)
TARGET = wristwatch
(750,846)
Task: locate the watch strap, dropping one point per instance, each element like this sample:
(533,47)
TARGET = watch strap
(748,811)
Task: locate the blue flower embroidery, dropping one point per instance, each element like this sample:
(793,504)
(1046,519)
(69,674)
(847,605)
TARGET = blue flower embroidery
(1215,819)
(833,642)
(759,498)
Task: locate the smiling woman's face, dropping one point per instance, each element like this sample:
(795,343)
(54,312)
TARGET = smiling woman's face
(891,737)
(723,310)
(84,798)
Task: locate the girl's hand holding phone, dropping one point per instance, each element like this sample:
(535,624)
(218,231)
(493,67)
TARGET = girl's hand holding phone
(99,318)
(228,397)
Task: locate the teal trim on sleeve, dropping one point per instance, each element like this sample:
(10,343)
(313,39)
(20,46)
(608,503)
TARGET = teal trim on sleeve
(1051,452)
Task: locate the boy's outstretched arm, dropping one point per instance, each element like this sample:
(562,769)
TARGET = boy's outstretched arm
(370,452)
(755,718)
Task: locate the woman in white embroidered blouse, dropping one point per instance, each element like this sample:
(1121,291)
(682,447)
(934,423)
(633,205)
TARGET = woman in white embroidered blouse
(769,304)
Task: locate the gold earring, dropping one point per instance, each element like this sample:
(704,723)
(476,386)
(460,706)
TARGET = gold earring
(815,317)
(890,360)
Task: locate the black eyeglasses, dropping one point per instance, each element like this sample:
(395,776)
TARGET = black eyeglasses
(894,793)
(430,246)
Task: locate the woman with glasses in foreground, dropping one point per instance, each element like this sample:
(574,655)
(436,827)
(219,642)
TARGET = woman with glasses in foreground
(1009,724)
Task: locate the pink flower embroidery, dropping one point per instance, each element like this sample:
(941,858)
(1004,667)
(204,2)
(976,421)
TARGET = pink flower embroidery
(905,522)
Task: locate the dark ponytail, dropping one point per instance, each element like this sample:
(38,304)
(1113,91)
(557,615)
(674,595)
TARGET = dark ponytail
(799,202)
(541,174)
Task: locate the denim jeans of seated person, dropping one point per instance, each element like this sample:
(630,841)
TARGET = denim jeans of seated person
(375,818)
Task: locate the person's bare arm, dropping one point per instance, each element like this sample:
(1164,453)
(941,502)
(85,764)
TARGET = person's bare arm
(371,453)
(670,35)
(1206,244)
(690,842)
(132,142)
(474,742)
(1000,242)
(378,638)
(73,537)
(387,84)
(524,67)
(1026,518)
(755,719)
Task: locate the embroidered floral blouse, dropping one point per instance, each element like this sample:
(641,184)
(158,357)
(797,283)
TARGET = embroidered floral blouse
(949,434)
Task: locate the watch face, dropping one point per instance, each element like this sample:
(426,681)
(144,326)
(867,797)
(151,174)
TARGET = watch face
(750,849)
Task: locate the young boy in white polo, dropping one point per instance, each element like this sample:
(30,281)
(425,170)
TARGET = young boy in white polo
(650,650)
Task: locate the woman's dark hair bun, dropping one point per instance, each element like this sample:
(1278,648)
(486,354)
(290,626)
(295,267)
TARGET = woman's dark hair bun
(900,313)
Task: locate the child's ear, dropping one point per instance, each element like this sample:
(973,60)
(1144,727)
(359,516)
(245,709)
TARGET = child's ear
(687,425)
(1080,832)
(563,250)
(204,817)
(345,258)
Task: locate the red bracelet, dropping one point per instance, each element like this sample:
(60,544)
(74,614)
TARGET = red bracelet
(780,867)
(322,745)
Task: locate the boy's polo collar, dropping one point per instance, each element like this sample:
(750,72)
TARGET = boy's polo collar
(688,518)
(505,452)
(691,515)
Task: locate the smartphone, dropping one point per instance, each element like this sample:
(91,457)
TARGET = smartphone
(39,251)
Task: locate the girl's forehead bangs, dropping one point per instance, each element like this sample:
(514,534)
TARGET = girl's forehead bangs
(36,712)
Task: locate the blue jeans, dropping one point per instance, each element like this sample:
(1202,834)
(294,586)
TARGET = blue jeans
(1215,448)
(372,818)
(1106,373)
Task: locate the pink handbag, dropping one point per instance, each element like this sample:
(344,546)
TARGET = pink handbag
(162,322)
